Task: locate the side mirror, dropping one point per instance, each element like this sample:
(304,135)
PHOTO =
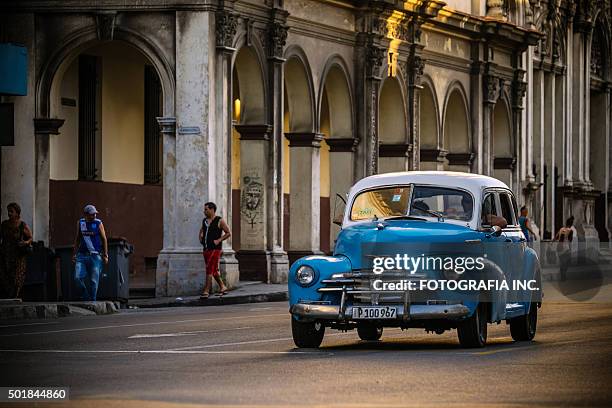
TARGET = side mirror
(496,231)
(339,207)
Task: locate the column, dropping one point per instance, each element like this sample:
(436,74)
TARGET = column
(519,88)
(477,104)
(304,235)
(608,188)
(188,182)
(341,166)
(491,90)
(254,255)
(415,67)
(374,54)
(277,36)
(167,126)
(225,30)
(578,99)
(557,175)
(548,150)
(43,127)
(538,96)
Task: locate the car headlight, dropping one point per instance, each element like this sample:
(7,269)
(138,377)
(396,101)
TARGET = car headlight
(305,275)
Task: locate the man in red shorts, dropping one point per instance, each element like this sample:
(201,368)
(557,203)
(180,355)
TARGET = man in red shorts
(214,231)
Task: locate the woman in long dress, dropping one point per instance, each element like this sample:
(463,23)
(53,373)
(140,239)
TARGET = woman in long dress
(14,235)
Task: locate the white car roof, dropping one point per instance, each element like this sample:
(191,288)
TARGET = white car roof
(468,181)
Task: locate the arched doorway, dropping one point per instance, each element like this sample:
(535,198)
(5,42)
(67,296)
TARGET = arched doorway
(304,154)
(456,133)
(432,154)
(504,160)
(250,135)
(109,152)
(392,128)
(337,154)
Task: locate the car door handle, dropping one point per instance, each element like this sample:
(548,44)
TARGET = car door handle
(508,240)
(473,241)
(522,239)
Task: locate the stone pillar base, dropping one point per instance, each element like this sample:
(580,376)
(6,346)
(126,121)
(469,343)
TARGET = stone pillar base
(254,264)
(180,272)
(229,268)
(279,267)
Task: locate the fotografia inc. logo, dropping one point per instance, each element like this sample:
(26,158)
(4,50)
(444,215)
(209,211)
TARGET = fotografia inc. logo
(423,263)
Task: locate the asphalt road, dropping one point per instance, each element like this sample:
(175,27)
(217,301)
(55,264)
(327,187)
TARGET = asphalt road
(243,355)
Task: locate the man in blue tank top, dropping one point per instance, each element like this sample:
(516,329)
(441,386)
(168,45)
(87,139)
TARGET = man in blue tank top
(90,250)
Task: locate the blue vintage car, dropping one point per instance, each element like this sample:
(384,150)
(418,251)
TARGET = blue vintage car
(448,220)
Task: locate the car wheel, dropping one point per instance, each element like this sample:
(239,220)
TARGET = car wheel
(369,332)
(473,331)
(307,334)
(523,328)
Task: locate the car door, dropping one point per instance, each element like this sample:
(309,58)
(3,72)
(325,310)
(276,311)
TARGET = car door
(495,249)
(517,243)
(513,237)
(495,246)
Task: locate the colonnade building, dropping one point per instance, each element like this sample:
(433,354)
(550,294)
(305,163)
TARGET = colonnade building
(272,108)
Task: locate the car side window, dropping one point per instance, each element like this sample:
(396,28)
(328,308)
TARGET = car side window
(516,209)
(489,209)
(506,208)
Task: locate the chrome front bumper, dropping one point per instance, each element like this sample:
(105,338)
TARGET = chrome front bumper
(411,312)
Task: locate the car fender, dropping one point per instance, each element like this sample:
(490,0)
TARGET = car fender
(324,267)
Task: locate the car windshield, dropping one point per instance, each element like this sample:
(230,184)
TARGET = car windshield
(442,202)
(381,203)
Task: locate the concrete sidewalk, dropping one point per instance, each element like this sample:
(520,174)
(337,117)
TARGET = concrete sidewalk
(15,309)
(245,292)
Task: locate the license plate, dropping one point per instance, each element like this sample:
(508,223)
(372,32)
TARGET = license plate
(374,312)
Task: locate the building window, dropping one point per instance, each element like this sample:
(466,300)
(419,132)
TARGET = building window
(89,115)
(152,140)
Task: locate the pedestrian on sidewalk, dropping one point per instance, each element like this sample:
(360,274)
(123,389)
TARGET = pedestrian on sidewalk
(89,253)
(213,232)
(525,224)
(16,244)
(564,238)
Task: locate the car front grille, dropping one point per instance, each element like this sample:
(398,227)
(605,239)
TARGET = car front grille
(359,286)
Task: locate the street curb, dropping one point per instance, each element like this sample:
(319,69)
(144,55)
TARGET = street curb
(56,310)
(219,300)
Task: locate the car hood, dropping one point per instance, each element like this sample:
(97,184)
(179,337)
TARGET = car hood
(390,237)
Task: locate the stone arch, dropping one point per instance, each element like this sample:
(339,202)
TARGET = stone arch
(392,126)
(335,86)
(335,122)
(249,87)
(504,157)
(503,145)
(59,178)
(87,37)
(299,90)
(600,41)
(430,145)
(392,112)
(429,116)
(456,124)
